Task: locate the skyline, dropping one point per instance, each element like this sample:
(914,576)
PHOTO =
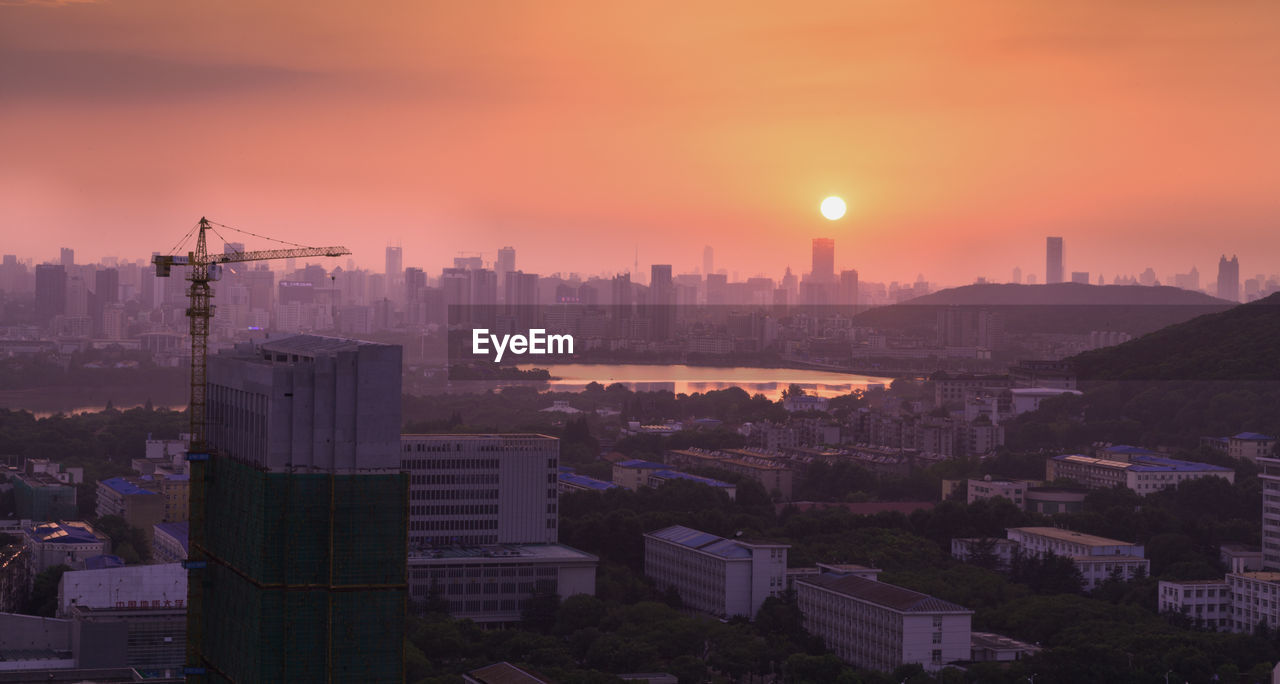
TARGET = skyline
(601,131)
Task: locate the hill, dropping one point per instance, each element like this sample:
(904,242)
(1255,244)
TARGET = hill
(1241,343)
(1057,308)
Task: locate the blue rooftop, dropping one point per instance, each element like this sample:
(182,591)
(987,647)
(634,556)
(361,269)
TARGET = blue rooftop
(1157,464)
(584,481)
(1253,437)
(1127,449)
(677,475)
(102,562)
(177,530)
(59,533)
(702,541)
(642,464)
(125,487)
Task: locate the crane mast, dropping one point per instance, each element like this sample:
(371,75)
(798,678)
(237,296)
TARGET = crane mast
(200,310)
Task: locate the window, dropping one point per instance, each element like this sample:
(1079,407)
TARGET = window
(937,656)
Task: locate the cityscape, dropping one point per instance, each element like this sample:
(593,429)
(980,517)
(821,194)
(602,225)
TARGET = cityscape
(583,344)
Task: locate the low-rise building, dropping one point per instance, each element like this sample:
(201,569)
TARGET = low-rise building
(1255,600)
(1251,446)
(1097,558)
(988,488)
(658,478)
(141,508)
(169,542)
(634,473)
(569,481)
(1142,473)
(1054,500)
(714,575)
(1240,557)
(1208,602)
(1001,550)
(41,496)
(494,584)
(63,543)
(880,626)
(775,476)
(988,647)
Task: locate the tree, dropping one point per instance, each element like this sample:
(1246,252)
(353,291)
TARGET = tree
(44,592)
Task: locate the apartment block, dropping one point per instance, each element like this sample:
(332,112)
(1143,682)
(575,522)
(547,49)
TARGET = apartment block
(1143,473)
(1208,602)
(1098,558)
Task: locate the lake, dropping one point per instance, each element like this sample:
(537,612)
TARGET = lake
(682,379)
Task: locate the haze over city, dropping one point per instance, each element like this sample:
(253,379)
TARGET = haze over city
(593,136)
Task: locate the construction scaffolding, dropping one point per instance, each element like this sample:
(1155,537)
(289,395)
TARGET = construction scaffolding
(308,573)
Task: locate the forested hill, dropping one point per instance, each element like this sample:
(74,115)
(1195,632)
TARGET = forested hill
(1241,343)
(1057,308)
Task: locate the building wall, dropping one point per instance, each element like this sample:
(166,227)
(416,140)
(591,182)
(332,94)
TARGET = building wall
(1270,476)
(1207,602)
(482,489)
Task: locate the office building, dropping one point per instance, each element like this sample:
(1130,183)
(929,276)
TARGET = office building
(879,626)
(1207,602)
(1255,600)
(506,263)
(139,507)
(1097,558)
(1250,446)
(494,583)
(848,294)
(988,488)
(42,497)
(708,260)
(51,292)
(713,575)
(67,257)
(1055,260)
(394,270)
(169,542)
(1143,473)
(481,489)
(297,530)
(1229,278)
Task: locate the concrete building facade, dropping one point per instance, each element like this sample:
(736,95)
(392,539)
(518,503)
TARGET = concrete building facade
(713,575)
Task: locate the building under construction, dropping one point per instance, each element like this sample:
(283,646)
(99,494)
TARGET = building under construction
(298,516)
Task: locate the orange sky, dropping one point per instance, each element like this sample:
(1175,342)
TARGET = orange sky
(1145,133)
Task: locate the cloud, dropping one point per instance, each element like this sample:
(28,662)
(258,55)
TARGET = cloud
(106,76)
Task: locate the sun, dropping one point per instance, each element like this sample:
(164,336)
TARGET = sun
(833,208)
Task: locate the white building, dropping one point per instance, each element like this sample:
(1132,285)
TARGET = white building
(1251,446)
(987,488)
(1098,558)
(721,577)
(1255,598)
(1208,602)
(481,489)
(1142,473)
(495,583)
(965,548)
(63,543)
(881,626)
(132,586)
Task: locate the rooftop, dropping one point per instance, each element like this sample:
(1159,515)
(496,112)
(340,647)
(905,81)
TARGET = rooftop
(584,481)
(642,464)
(677,475)
(502,551)
(63,533)
(1069,536)
(995,641)
(887,595)
(1260,576)
(1144,463)
(124,486)
(707,542)
(1253,437)
(310,345)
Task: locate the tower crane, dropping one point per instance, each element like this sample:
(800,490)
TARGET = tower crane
(205,268)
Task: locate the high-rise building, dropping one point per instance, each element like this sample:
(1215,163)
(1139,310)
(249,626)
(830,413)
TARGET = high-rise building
(662,300)
(824,260)
(1055,260)
(848,288)
(395,273)
(505,264)
(298,547)
(68,257)
(1017,275)
(1229,278)
(51,291)
(708,260)
(106,285)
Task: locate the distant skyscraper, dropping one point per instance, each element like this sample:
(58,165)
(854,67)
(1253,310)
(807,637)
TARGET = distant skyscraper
(708,260)
(662,300)
(51,291)
(848,288)
(1147,277)
(1229,278)
(1031,279)
(505,264)
(1188,281)
(1081,277)
(107,285)
(1054,260)
(298,530)
(68,257)
(1017,275)
(395,273)
(824,260)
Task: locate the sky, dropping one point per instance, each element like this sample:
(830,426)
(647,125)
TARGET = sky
(591,134)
